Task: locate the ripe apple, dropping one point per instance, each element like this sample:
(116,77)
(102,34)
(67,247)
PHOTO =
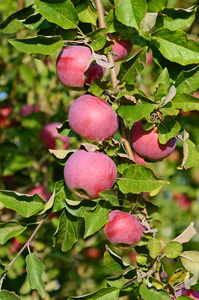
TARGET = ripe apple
(139,160)
(28,109)
(121,48)
(93,118)
(15,245)
(49,134)
(41,191)
(92,253)
(123,229)
(182,200)
(88,173)
(146,144)
(6,117)
(71,65)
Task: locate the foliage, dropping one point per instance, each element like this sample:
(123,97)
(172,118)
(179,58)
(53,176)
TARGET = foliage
(59,232)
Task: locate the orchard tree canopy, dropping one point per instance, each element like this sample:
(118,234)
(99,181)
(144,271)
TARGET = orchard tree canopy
(99,149)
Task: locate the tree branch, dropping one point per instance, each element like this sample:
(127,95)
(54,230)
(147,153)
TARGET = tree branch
(22,249)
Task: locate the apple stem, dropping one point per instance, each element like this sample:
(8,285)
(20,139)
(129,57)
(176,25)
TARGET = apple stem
(22,249)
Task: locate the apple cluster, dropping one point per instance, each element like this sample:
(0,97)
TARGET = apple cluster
(88,173)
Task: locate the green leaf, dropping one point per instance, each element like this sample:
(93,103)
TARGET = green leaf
(81,209)
(156,6)
(131,68)
(66,233)
(62,13)
(173,249)
(16,162)
(111,293)
(13,22)
(38,44)
(36,21)
(190,260)
(190,155)
(164,79)
(113,261)
(97,218)
(137,179)
(111,196)
(185,102)
(188,81)
(61,193)
(86,12)
(177,276)
(153,294)
(154,247)
(35,270)
(135,112)
(175,19)
(130,12)
(10,229)
(25,205)
(98,38)
(168,129)
(5,295)
(175,46)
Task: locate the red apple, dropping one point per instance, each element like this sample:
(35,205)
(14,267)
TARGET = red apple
(49,134)
(6,117)
(92,252)
(146,144)
(15,246)
(93,118)
(139,160)
(184,292)
(88,173)
(41,191)
(121,48)
(28,109)
(123,229)
(71,65)
(182,200)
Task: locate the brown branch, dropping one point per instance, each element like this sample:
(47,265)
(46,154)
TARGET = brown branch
(22,249)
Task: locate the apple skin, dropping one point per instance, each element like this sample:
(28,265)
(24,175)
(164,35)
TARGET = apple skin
(71,65)
(121,47)
(49,133)
(146,144)
(93,118)
(123,230)
(28,109)
(139,160)
(88,173)
(41,191)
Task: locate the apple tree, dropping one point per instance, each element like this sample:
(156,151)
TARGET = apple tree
(99,149)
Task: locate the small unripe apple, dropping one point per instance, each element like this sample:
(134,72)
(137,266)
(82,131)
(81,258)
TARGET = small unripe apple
(71,65)
(28,109)
(49,134)
(88,173)
(93,118)
(41,191)
(146,144)
(123,229)
(121,48)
